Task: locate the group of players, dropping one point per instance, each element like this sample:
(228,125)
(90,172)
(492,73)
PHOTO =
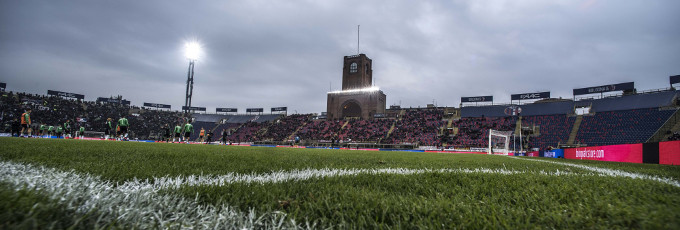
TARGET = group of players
(183,133)
(65,130)
(113,131)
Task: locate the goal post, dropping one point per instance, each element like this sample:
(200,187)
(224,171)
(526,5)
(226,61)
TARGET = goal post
(499,142)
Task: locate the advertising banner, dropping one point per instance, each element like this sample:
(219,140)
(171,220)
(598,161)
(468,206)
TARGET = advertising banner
(279,109)
(156,105)
(669,153)
(476,99)
(65,94)
(254,110)
(113,101)
(529,96)
(605,88)
(193,108)
(620,153)
(674,79)
(226,110)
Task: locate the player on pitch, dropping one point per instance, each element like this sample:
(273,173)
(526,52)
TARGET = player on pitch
(26,123)
(201,135)
(188,128)
(177,134)
(123,124)
(109,128)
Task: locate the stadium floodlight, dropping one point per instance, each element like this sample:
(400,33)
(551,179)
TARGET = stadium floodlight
(192,50)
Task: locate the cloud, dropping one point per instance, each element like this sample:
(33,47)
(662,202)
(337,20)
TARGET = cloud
(288,53)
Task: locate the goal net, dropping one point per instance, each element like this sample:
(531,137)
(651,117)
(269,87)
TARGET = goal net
(499,142)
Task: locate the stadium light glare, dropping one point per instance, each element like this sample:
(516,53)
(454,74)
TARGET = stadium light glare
(364,90)
(192,50)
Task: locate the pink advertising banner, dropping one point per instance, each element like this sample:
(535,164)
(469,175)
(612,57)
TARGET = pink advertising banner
(620,153)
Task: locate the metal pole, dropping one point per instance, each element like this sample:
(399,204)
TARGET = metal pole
(358,39)
(190,86)
(521,144)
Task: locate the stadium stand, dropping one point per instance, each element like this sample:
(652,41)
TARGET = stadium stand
(247,132)
(621,127)
(53,110)
(473,131)
(321,130)
(282,129)
(419,126)
(366,131)
(612,120)
(553,129)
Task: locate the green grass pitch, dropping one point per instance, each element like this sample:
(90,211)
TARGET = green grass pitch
(102,184)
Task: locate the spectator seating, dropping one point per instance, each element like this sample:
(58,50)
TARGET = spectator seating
(621,127)
(554,129)
(283,128)
(418,126)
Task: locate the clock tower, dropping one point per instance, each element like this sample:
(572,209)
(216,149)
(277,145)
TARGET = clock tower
(357,72)
(358,97)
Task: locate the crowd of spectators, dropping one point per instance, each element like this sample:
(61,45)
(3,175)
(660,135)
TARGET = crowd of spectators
(416,126)
(366,131)
(420,126)
(54,111)
(282,129)
(473,131)
(320,130)
(247,132)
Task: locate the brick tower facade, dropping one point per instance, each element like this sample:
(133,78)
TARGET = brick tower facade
(358,97)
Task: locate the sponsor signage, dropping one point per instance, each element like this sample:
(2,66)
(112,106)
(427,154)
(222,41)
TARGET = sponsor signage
(513,110)
(620,153)
(65,94)
(669,153)
(193,108)
(113,101)
(255,110)
(156,105)
(674,79)
(529,96)
(279,109)
(226,110)
(476,99)
(605,88)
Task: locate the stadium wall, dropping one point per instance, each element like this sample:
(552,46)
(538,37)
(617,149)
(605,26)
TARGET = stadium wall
(550,108)
(638,101)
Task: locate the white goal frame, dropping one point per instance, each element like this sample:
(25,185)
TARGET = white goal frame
(499,134)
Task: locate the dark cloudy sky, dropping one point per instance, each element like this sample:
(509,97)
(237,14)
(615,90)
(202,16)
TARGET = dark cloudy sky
(287,53)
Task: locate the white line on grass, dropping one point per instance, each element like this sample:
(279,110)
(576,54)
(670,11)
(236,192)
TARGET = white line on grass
(133,206)
(138,204)
(610,172)
(301,174)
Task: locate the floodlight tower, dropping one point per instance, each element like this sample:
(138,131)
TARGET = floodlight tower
(192,50)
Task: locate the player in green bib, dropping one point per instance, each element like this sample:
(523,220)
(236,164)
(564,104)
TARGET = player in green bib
(43,130)
(177,134)
(67,129)
(109,128)
(123,124)
(81,132)
(188,129)
(60,131)
(50,131)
